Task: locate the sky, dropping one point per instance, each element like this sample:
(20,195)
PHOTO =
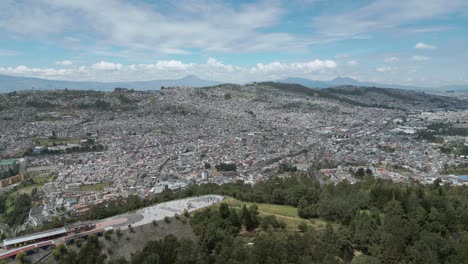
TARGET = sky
(410,42)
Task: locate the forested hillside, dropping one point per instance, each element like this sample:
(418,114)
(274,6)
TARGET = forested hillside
(373,221)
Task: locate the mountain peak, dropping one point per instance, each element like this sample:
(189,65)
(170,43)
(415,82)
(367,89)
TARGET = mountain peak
(190,77)
(343,79)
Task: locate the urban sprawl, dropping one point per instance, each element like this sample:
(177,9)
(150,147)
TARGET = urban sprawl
(92,147)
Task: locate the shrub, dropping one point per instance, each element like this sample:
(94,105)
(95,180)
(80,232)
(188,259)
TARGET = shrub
(302,227)
(79,242)
(186,214)
(20,257)
(107,235)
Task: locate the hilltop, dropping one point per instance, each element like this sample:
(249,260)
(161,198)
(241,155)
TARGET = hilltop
(347,81)
(375,97)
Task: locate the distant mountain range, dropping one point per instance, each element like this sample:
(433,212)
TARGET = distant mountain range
(339,81)
(455,88)
(12,83)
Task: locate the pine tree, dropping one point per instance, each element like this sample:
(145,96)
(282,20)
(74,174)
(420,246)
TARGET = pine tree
(224,210)
(247,219)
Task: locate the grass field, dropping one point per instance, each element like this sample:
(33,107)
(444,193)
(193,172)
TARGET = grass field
(285,213)
(93,187)
(38,182)
(42,179)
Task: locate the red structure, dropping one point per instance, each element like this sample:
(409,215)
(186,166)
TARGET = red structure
(28,250)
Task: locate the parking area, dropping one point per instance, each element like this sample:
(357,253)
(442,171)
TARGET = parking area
(159,211)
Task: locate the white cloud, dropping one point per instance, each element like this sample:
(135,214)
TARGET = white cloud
(391,59)
(169,27)
(304,67)
(168,69)
(352,63)
(424,46)
(381,15)
(32,19)
(172,65)
(36,72)
(214,63)
(386,69)
(420,58)
(106,66)
(64,63)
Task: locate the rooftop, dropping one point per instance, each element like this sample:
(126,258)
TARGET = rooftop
(42,168)
(21,239)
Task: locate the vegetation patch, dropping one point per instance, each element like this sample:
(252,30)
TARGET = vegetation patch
(51,141)
(456,149)
(448,129)
(460,169)
(284,213)
(278,210)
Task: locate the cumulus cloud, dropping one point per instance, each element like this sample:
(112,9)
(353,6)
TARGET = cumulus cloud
(304,67)
(214,63)
(167,69)
(420,58)
(352,63)
(171,64)
(391,59)
(23,70)
(386,69)
(106,66)
(424,46)
(64,63)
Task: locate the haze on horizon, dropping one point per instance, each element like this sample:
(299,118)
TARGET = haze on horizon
(412,42)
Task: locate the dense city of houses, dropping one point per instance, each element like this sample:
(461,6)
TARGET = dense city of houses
(176,137)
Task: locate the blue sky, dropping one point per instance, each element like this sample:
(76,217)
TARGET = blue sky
(413,42)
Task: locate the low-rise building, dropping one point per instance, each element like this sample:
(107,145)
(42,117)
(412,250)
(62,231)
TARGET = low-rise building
(37,216)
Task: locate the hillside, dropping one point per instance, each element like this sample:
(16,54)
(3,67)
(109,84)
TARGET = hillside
(340,81)
(366,222)
(397,98)
(376,97)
